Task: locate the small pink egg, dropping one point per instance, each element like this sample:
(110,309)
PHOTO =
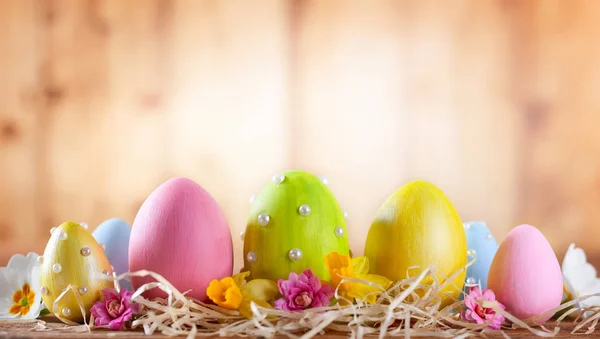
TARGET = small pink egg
(181,233)
(525,274)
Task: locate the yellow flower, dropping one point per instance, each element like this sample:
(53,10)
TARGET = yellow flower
(225,293)
(342,266)
(234,294)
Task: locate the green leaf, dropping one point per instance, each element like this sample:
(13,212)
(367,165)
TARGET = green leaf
(44,312)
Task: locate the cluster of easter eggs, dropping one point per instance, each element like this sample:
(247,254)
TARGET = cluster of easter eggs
(181,233)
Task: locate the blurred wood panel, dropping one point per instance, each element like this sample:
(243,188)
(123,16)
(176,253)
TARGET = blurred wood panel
(494,101)
(22,113)
(393,91)
(137,92)
(561,87)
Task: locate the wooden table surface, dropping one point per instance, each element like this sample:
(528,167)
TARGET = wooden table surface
(24,329)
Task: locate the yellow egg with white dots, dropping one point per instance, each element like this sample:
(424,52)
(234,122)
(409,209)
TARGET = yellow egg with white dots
(73,262)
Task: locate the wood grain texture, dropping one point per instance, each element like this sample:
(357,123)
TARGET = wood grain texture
(494,101)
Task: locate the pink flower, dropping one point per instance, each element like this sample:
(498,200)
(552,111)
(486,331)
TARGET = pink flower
(115,309)
(303,291)
(476,314)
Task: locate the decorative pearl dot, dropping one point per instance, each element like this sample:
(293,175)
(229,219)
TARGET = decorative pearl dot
(339,232)
(324,180)
(471,281)
(304,210)
(62,235)
(40,259)
(66,312)
(103,246)
(278,178)
(489,236)
(242,235)
(467,226)
(52,230)
(83,290)
(251,257)
(295,254)
(106,272)
(84,225)
(56,268)
(263,219)
(44,290)
(252,198)
(345,215)
(86,251)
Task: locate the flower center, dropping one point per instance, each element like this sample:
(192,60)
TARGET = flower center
(303,300)
(480,311)
(113,308)
(23,299)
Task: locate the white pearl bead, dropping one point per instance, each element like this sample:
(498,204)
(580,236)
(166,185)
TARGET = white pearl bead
(295,254)
(66,312)
(84,225)
(263,219)
(52,230)
(471,281)
(467,226)
(339,232)
(324,180)
(83,290)
(489,236)
(44,290)
(251,257)
(242,235)
(252,198)
(40,259)
(345,215)
(62,235)
(304,210)
(56,268)
(278,178)
(86,251)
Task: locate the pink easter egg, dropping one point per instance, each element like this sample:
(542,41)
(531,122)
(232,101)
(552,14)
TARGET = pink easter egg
(525,274)
(181,233)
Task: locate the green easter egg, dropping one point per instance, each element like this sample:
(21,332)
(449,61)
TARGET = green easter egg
(294,223)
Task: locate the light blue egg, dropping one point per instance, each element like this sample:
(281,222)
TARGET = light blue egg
(481,241)
(114,234)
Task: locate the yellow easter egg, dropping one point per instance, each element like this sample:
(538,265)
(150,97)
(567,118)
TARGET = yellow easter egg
(417,226)
(73,258)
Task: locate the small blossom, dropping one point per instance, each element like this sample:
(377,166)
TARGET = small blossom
(476,313)
(115,309)
(234,293)
(580,278)
(341,266)
(225,293)
(302,291)
(20,290)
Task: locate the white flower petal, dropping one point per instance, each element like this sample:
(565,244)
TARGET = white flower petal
(20,270)
(5,305)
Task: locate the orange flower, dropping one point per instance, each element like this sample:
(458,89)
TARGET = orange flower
(23,299)
(234,293)
(225,293)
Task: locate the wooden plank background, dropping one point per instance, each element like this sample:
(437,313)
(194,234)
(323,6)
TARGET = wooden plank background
(497,102)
